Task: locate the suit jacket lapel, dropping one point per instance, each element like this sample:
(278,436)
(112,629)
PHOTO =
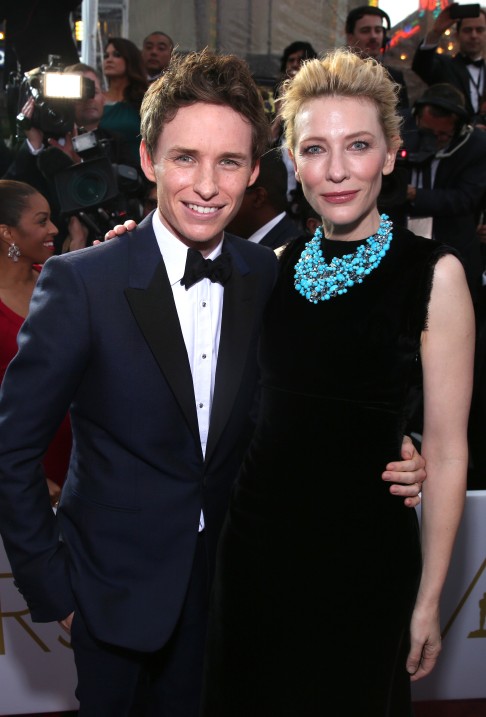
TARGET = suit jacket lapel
(152,303)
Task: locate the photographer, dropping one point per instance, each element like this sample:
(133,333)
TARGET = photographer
(446,162)
(41,157)
(466,70)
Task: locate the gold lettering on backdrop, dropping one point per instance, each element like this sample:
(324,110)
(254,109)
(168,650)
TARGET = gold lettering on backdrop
(18,616)
(482,607)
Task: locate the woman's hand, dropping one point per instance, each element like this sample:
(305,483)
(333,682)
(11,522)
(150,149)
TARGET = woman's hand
(425,642)
(118,230)
(54,492)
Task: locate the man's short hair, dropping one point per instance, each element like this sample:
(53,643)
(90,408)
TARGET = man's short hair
(482,11)
(83,67)
(159,32)
(359,12)
(204,77)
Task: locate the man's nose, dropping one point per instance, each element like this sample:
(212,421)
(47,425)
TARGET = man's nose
(205,183)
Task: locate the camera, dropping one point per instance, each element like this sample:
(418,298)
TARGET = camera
(459,12)
(54,92)
(99,192)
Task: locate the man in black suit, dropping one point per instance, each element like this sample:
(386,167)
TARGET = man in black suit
(466,70)
(447,174)
(156,53)
(151,341)
(366,34)
(39,157)
(263,216)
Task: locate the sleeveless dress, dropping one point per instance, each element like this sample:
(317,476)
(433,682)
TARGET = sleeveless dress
(318,565)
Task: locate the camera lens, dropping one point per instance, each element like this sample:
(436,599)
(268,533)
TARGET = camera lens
(89,188)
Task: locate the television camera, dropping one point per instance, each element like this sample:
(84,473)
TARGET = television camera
(96,190)
(54,92)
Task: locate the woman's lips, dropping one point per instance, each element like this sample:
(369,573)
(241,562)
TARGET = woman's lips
(339,197)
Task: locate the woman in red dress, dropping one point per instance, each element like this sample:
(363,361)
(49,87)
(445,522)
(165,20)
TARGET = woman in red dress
(26,242)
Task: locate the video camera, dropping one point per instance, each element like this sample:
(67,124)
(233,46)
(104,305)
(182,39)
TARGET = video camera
(54,92)
(99,192)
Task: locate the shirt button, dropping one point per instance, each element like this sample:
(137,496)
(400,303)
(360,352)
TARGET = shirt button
(203,304)
(201,405)
(204,355)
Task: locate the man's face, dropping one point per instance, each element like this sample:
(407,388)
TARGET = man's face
(367,37)
(472,36)
(88,113)
(443,128)
(202,166)
(156,52)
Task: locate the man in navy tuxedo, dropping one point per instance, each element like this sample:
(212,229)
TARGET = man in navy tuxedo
(150,340)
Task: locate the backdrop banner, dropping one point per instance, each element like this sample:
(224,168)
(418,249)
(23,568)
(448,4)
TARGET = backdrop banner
(37,672)
(461,670)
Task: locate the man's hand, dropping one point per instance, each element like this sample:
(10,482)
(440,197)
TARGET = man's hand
(77,237)
(120,229)
(407,475)
(443,22)
(66,146)
(33,134)
(66,623)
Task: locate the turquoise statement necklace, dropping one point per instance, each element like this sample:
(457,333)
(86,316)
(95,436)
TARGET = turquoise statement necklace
(317,281)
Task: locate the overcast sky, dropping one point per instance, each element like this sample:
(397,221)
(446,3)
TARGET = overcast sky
(398,9)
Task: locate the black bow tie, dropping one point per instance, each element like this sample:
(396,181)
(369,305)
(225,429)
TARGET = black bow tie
(197,268)
(477,63)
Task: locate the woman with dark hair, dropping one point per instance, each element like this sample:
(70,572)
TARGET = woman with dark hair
(26,242)
(125,76)
(293,56)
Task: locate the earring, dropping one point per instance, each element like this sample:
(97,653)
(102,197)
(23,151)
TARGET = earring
(14,252)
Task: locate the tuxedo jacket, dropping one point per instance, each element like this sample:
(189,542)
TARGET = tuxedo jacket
(103,339)
(433,68)
(281,233)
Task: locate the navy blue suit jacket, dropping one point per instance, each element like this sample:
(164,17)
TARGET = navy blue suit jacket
(103,338)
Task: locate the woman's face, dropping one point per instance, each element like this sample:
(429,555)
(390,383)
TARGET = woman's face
(113,63)
(34,234)
(340,155)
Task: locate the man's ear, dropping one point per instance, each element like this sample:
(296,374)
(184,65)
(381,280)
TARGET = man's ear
(146,162)
(254,173)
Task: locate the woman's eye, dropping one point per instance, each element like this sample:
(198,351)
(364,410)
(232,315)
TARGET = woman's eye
(312,149)
(360,144)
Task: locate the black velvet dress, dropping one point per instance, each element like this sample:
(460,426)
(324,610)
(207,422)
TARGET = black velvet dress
(318,564)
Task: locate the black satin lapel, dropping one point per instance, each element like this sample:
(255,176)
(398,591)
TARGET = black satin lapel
(236,331)
(155,312)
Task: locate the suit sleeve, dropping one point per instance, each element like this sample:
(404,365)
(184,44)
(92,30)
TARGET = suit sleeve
(38,387)
(427,65)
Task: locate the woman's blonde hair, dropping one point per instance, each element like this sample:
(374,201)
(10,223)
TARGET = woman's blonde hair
(342,73)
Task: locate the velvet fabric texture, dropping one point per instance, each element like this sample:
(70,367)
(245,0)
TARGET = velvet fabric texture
(318,564)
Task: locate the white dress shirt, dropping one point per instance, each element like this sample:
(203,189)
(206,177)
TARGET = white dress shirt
(199,309)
